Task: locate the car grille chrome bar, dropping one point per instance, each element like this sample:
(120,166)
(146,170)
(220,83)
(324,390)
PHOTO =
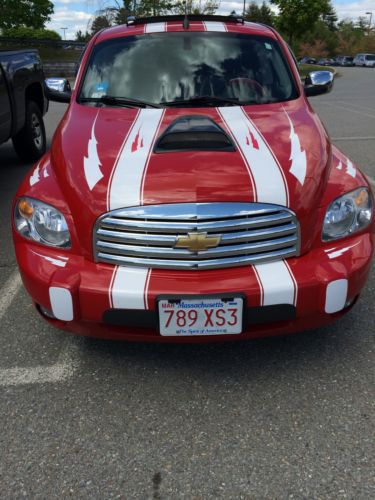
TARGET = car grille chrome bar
(246,233)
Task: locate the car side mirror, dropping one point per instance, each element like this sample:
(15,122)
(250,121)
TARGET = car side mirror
(318,82)
(58,90)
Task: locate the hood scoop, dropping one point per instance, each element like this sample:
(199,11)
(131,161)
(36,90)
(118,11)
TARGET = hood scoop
(193,133)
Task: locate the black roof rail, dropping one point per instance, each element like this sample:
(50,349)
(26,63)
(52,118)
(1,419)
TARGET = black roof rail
(180,17)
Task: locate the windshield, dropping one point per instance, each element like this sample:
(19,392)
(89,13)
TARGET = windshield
(166,67)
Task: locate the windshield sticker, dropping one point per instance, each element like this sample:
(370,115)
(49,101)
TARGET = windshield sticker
(268,46)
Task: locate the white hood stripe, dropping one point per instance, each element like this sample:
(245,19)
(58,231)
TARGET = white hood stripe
(127,175)
(269,179)
(129,288)
(155,27)
(91,163)
(214,26)
(297,155)
(278,285)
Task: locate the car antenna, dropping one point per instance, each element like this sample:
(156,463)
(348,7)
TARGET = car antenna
(186,20)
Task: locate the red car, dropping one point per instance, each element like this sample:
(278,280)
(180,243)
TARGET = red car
(191,193)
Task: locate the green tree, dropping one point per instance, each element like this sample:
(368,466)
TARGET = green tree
(80,36)
(30,13)
(259,13)
(329,17)
(25,32)
(297,17)
(99,23)
(196,7)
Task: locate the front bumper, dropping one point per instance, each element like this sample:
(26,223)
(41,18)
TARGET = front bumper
(281,298)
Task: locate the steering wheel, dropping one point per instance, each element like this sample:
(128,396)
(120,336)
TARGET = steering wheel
(239,84)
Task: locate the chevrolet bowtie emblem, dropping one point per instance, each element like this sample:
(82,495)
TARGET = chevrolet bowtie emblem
(196,242)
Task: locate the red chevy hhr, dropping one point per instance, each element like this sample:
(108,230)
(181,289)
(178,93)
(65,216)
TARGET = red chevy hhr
(191,193)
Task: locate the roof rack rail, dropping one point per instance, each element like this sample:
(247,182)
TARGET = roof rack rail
(180,17)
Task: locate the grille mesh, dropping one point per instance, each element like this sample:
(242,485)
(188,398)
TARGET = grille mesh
(247,233)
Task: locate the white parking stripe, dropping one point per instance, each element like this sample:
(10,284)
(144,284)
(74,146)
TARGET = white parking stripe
(360,138)
(351,110)
(65,367)
(9,291)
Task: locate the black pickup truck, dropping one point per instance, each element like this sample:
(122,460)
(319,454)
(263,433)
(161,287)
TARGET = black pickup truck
(23,103)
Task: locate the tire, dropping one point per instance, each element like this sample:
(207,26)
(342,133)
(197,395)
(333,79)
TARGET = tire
(30,141)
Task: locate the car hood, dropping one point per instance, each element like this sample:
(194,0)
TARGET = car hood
(105,159)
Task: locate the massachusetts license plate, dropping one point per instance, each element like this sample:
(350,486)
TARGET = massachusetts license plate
(200,316)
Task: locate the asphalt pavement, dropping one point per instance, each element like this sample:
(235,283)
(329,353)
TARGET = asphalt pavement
(288,417)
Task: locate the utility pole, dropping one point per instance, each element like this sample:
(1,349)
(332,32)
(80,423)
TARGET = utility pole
(244,8)
(64,30)
(369,23)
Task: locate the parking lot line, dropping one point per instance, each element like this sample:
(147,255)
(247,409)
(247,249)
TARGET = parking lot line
(65,367)
(9,291)
(351,110)
(363,138)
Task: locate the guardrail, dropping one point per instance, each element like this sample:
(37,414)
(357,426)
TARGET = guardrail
(35,42)
(63,69)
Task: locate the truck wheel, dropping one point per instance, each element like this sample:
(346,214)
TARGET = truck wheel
(30,142)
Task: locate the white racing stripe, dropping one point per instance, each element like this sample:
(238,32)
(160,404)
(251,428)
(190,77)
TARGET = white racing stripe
(266,172)
(278,285)
(214,26)
(127,175)
(129,288)
(155,27)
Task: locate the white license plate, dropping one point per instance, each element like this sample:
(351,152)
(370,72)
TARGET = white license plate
(200,316)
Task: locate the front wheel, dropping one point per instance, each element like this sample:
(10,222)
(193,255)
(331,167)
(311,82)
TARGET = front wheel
(30,142)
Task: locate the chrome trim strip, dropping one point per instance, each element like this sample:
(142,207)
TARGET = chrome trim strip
(197,264)
(220,251)
(172,227)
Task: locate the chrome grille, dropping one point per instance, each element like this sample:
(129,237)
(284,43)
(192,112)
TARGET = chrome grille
(250,233)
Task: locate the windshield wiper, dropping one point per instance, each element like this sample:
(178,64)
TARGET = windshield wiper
(120,101)
(203,99)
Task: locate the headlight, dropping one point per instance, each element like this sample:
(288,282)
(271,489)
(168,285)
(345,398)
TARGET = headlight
(40,222)
(348,214)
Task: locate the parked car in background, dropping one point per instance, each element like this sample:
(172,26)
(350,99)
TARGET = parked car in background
(307,60)
(23,103)
(326,61)
(344,61)
(188,199)
(365,60)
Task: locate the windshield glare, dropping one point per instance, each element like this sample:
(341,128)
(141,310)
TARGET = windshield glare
(167,67)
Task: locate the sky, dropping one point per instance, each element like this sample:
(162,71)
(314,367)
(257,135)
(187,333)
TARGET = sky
(76,14)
